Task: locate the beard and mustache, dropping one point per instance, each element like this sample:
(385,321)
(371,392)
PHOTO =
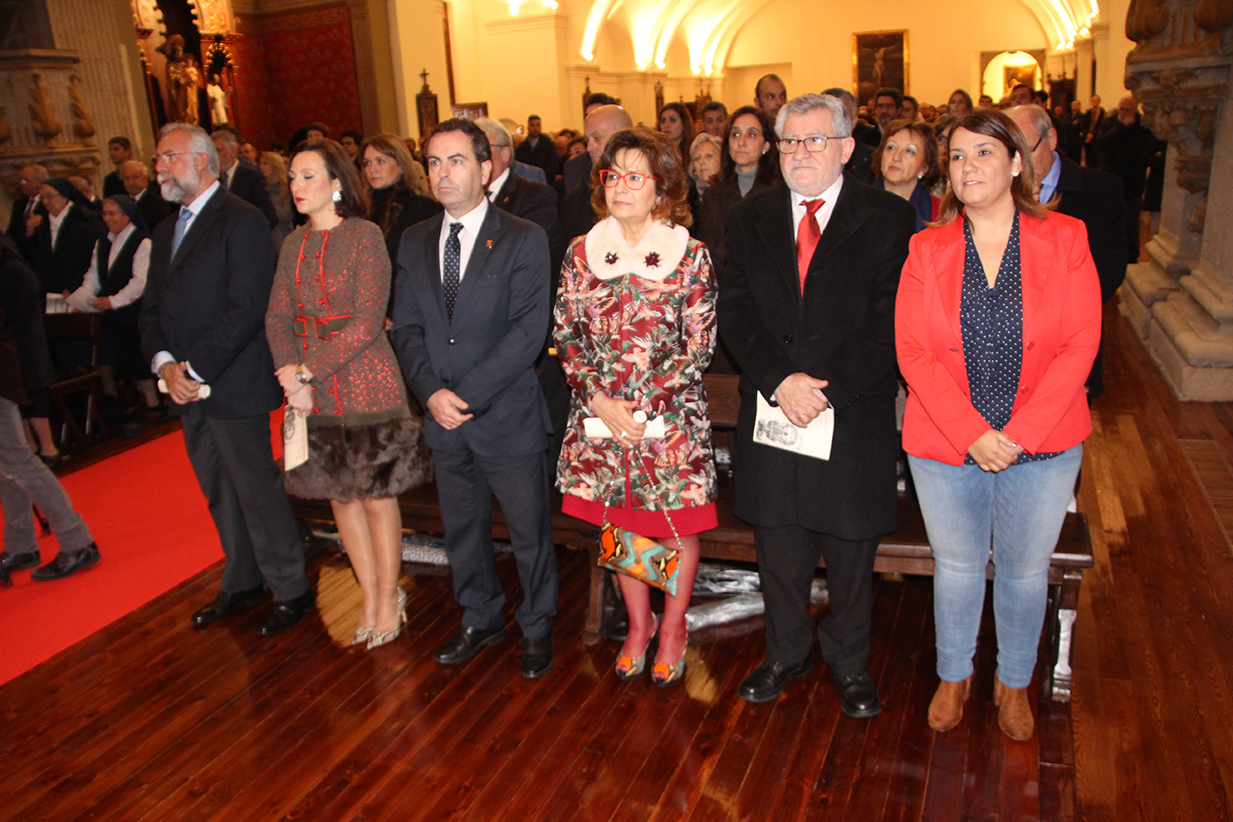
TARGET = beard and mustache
(175,189)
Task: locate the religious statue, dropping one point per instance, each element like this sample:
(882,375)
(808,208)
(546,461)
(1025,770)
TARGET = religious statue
(183,80)
(218,101)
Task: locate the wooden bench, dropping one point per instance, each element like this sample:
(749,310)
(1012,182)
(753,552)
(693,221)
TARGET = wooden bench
(905,551)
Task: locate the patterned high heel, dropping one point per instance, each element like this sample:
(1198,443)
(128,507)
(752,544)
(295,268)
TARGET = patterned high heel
(380,638)
(362,634)
(629,668)
(667,675)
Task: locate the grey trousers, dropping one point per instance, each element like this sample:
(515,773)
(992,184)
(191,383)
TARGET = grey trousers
(24,479)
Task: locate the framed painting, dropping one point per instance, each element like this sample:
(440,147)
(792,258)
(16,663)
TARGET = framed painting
(1015,75)
(879,60)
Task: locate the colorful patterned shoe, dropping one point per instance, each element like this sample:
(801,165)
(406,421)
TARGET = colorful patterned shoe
(629,668)
(668,675)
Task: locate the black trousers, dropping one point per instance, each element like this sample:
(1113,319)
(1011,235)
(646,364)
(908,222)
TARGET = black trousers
(235,468)
(466,482)
(787,558)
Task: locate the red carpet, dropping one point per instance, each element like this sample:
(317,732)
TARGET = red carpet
(150,521)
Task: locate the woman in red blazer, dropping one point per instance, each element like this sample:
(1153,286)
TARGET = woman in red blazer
(996,324)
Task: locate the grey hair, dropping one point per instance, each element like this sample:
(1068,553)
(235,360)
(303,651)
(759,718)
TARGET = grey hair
(228,137)
(841,120)
(498,134)
(1041,121)
(198,142)
(705,138)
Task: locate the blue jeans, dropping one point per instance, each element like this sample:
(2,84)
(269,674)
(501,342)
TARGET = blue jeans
(1020,512)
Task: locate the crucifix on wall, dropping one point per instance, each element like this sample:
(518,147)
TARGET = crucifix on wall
(426,106)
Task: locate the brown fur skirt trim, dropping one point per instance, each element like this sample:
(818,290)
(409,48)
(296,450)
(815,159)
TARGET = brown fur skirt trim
(347,462)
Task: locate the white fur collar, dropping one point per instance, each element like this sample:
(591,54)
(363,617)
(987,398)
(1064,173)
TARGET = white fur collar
(655,257)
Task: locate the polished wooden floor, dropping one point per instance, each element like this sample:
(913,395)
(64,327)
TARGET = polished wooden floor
(148,720)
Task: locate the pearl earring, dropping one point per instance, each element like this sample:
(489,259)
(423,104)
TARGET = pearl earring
(337,196)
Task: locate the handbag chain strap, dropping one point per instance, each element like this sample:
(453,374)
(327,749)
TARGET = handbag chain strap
(671,525)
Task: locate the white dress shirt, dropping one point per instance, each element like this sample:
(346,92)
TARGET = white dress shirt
(494,188)
(823,215)
(133,289)
(54,222)
(198,203)
(471,222)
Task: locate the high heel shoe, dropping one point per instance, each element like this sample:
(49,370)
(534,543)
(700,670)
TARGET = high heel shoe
(669,674)
(362,634)
(380,638)
(629,668)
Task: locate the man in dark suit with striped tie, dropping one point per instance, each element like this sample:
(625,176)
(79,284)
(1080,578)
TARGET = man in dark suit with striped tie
(471,308)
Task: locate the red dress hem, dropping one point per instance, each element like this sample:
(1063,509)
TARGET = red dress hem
(688,521)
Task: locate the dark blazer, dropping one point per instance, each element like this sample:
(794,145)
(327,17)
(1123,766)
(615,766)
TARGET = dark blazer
(860,164)
(21,297)
(486,354)
(113,185)
(842,331)
(248,183)
(577,171)
(529,200)
(577,218)
(711,223)
(17,222)
(543,155)
(63,267)
(207,305)
(154,209)
(1095,197)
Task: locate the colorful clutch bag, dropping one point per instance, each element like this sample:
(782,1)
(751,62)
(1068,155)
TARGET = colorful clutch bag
(642,558)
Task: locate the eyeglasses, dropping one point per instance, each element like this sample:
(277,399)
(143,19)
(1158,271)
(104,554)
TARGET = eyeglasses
(168,156)
(634,180)
(814,143)
(1038,142)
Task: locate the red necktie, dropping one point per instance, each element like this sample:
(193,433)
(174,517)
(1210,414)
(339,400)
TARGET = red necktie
(807,236)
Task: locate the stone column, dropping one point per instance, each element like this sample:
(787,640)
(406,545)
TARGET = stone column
(1181,300)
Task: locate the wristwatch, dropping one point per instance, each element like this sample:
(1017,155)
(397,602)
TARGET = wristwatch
(300,376)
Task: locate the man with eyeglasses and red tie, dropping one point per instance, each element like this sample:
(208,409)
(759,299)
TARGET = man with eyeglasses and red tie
(806,308)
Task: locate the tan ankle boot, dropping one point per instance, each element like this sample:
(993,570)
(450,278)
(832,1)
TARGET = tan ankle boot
(946,709)
(1014,713)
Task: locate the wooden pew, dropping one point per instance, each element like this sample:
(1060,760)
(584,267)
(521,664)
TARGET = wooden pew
(905,551)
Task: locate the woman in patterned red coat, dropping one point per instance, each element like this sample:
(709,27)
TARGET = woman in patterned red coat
(325,328)
(635,328)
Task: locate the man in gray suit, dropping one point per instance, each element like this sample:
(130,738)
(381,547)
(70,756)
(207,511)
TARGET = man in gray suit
(471,308)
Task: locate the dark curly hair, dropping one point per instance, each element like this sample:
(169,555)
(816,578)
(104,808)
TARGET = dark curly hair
(664,159)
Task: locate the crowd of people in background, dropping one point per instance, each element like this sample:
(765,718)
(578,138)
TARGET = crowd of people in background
(404,303)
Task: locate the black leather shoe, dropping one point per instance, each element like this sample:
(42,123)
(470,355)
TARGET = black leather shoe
(286,613)
(858,696)
(769,679)
(20,562)
(537,658)
(467,643)
(63,564)
(225,604)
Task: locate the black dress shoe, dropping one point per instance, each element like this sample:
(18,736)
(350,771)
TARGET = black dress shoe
(64,564)
(858,696)
(21,561)
(537,658)
(286,613)
(467,643)
(769,679)
(225,604)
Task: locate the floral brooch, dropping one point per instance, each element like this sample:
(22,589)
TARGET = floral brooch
(611,258)
(652,260)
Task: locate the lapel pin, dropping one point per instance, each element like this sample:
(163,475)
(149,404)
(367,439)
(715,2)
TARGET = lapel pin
(490,243)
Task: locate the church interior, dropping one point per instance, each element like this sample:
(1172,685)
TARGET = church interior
(140,720)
